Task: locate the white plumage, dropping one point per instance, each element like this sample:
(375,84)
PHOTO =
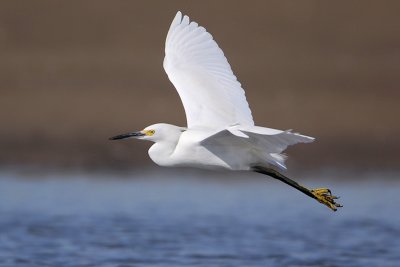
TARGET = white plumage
(214,99)
(210,93)
(220,130)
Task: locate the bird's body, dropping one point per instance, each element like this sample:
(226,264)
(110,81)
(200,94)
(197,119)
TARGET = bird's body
(214,149)
(220,132)
(186,151)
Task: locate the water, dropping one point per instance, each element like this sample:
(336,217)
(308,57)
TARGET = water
(184,220)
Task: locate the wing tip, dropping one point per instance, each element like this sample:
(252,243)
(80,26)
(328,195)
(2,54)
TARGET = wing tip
(180,18)
(175,22)
(185,20)
(177,19)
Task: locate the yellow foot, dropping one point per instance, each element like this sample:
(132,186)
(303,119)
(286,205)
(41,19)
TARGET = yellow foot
(324,196)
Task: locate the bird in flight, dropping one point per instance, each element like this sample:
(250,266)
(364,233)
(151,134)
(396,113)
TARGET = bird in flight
(220,132)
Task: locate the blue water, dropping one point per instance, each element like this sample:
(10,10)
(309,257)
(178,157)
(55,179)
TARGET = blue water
(184,219)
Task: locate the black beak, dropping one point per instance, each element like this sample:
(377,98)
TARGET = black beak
(127,135)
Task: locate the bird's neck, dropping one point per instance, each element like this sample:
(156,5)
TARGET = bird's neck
(161,152)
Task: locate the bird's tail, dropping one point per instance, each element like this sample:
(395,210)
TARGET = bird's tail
(271,143)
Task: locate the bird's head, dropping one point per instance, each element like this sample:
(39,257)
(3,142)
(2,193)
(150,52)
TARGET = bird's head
(156,132)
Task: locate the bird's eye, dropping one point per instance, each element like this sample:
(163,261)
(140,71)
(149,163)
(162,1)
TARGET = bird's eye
(150,132)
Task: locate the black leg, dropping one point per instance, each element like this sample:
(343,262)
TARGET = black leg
(322,195)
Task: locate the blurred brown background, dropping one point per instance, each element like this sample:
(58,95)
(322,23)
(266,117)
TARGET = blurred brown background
(73,73)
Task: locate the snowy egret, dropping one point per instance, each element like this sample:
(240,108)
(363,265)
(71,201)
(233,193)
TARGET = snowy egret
(220,130)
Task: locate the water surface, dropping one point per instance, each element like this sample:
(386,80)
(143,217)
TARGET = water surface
(182,219)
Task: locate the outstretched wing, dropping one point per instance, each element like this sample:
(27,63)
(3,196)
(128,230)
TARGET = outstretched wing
(210,93)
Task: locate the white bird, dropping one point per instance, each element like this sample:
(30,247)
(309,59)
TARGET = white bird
(220,130)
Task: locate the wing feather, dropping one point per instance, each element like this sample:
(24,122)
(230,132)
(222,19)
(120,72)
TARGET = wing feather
(268,144)
(211,95)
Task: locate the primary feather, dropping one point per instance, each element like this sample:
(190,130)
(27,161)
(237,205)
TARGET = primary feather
(211,95)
